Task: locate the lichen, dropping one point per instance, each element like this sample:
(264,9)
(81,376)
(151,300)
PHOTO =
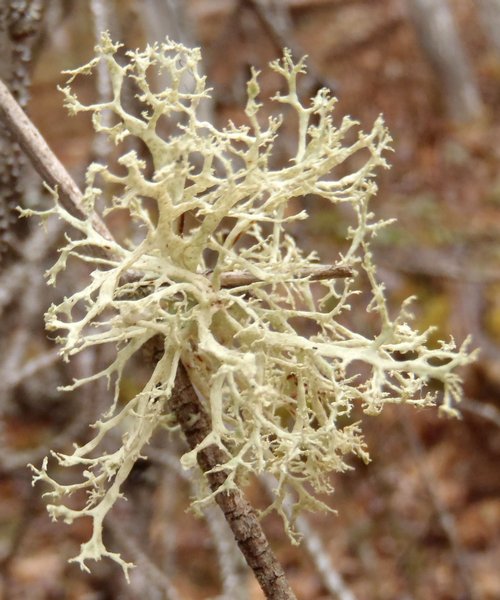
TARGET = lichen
(279,402)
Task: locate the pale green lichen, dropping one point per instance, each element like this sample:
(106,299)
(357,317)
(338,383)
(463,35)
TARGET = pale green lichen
(276,398)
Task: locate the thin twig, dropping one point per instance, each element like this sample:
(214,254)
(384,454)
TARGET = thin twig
(185,404)
(314,273)
(44,160)
(331,578)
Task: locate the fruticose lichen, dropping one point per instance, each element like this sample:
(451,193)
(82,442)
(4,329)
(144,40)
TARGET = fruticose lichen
(278,401)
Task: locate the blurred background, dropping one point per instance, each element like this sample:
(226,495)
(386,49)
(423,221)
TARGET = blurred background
(423,519)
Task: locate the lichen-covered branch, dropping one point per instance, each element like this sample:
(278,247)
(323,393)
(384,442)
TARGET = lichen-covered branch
(206,204)
(185,404)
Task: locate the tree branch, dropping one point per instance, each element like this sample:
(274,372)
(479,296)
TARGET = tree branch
(239,514)
(44,160)
(315,273)
(192,417)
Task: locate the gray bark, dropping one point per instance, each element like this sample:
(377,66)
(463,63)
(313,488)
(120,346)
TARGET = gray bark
(20,22)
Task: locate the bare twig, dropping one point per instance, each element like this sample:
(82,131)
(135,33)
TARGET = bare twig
(331,578)
(185,404)
(315,273)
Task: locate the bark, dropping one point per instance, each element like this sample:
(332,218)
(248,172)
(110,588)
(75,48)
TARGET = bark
(20,24)
(239,514)
(438,36)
